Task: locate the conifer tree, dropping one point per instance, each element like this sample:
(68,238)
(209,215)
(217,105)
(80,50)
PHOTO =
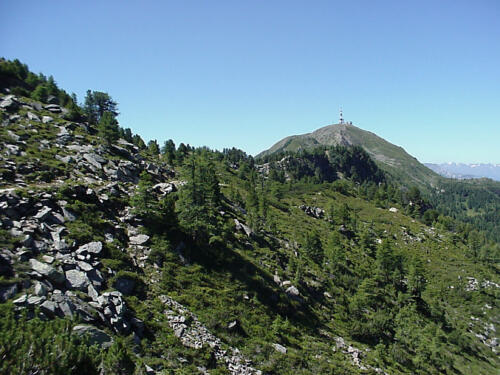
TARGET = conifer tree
(107,128)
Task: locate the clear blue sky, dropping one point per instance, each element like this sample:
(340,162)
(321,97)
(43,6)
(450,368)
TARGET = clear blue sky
(423,74)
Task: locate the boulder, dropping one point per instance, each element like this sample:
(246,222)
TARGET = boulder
(84,266)
(49,308)
(91,247)
(140,239)
(40,289)
(33,117)
(68,214)
(77,280)
(47,119)
(9,103)
(43,213)
(292,291)
(279,348)
(164,188)
(54,108)
(47,270)
(94,335)
(94,159)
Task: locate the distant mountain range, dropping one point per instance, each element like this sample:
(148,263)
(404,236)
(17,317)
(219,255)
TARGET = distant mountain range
(464,171)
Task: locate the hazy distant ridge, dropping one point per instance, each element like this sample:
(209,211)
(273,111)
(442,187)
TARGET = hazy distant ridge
(462,171)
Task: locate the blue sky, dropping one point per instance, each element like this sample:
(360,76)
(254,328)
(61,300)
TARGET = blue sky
(424,75)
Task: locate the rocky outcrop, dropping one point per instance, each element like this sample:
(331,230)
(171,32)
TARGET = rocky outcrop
(195,335)
(316,212)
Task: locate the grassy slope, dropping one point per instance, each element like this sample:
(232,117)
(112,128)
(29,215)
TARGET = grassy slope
(215,285)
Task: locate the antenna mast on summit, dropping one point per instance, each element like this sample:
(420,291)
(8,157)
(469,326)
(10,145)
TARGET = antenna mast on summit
(341,121)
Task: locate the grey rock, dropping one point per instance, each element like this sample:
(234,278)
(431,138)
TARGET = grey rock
(12,150)
(33,117)
(279,348)
(9,103)
(48,259)
(84,266)
(65,159)
(21,300)
(164,188)
(68,214)
(13,136)
(43,213)
(54,108)
(92,292)
(47,119)
(49,308)
(242,227)
(315,212)
(140,239)
(47,270)
(91,247)
(67,308)
(77,280)
(93,159)
(35,300)
(40,289)
(94,335)
(61,245)
(292,291)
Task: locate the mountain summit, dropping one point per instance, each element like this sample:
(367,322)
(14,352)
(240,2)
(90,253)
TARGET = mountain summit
(393,159)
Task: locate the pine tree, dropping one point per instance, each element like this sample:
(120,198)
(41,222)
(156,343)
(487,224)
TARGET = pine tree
(200,198)
(168,151)
(108,129)
(313,247)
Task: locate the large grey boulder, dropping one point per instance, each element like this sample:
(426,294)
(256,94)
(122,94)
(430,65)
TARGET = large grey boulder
(140,239)
(54,108)
(9,103)
(164,188)
(91,247)
(49,308)
(95,336)
(47,270)
(77,280)
(94,160)
(43,213)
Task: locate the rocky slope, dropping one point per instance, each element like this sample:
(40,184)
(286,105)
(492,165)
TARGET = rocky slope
(49,167)
(255,296)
